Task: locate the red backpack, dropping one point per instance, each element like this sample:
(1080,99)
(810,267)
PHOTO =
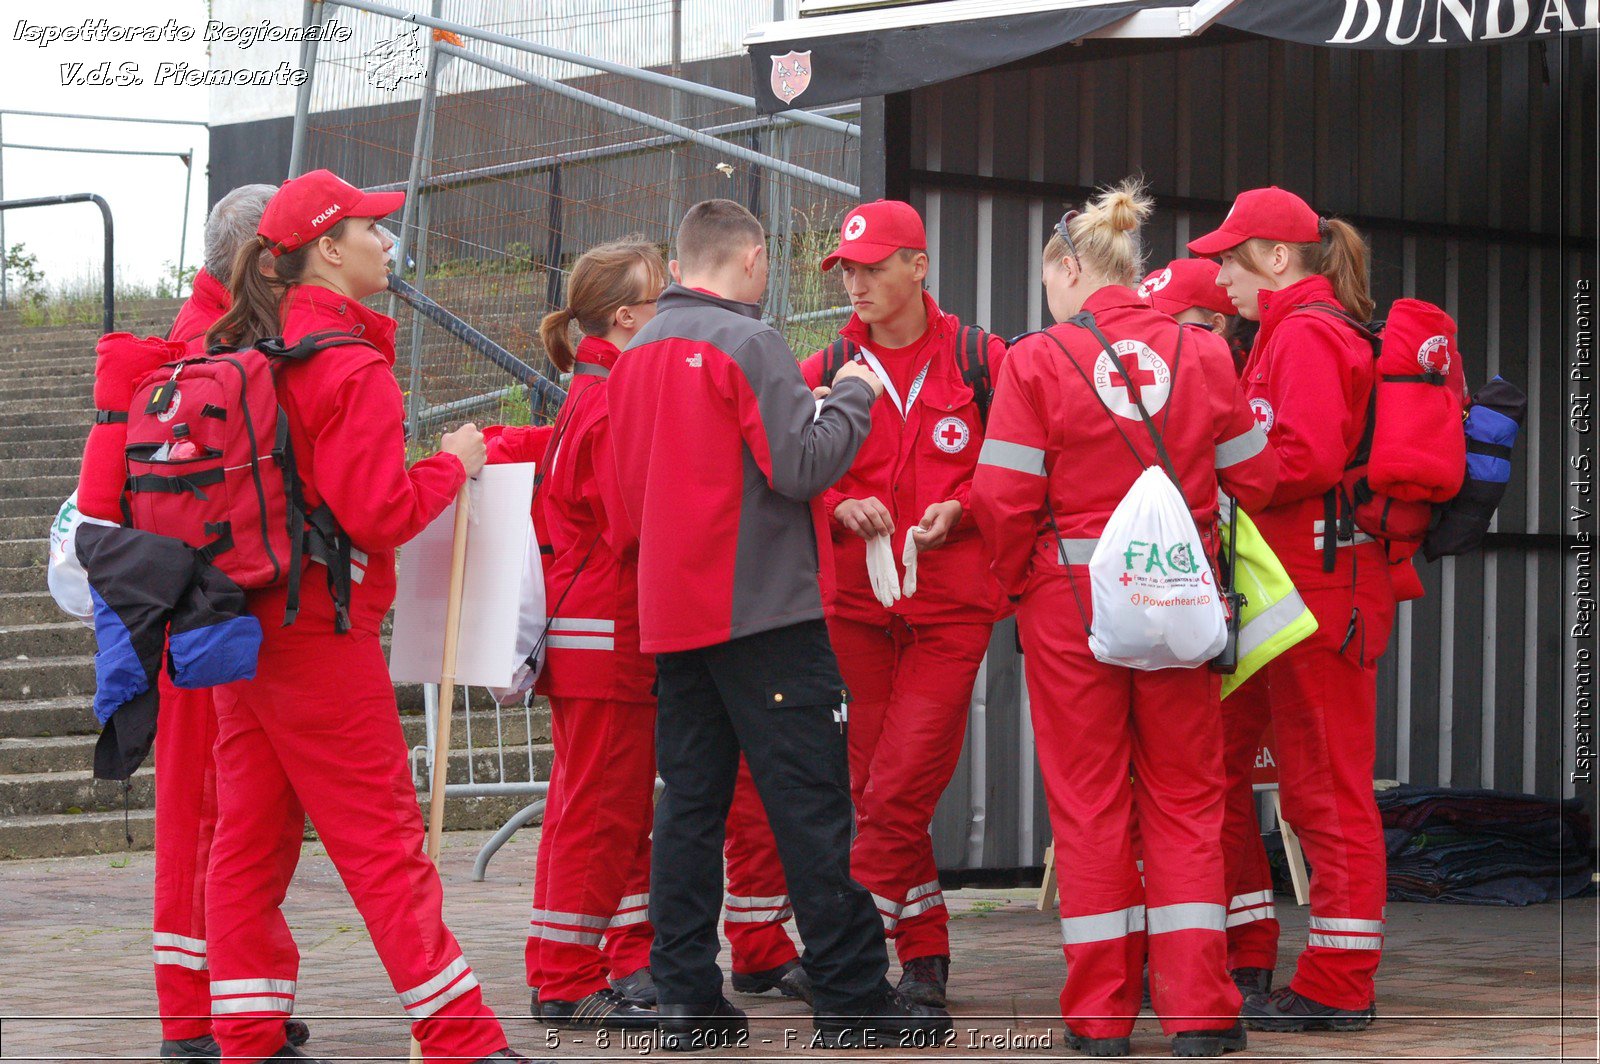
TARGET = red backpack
(1413,454)
(210,462)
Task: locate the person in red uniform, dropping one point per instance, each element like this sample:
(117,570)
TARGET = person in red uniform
(317,728)
(909,665)
(589,938)
(1187,289)
(1065,444)
(1308,380)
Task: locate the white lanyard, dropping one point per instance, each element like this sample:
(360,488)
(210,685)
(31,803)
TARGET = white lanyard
(888,385)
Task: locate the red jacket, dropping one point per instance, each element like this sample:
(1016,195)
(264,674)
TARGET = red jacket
(347,422)
(1308,380)
(720,448)
(908,464)
(208,301)
(593,572)
(1052,438)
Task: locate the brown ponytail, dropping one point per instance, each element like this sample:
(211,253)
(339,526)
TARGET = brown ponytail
(606,277)
(256,310)
(1342,256)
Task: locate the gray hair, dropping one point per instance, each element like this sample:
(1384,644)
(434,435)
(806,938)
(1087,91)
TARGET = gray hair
(231,224)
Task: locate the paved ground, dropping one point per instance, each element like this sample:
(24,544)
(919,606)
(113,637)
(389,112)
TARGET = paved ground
(1458,983)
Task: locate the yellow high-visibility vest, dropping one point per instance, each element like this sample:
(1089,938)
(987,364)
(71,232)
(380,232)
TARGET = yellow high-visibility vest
(1273,618)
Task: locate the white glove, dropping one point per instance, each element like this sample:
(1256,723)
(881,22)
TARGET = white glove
(881,571)
(908,558)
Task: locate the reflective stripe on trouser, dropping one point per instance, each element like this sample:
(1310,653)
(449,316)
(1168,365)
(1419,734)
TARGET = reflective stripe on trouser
(1252,928)
(605,753)
(756,906)
(1091,721)
(339,749)
(186,816)
(1324,713)
(911,688)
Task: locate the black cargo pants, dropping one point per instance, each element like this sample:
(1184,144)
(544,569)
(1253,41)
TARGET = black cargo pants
(772,695)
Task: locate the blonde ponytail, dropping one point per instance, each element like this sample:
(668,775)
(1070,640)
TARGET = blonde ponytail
(1106,234)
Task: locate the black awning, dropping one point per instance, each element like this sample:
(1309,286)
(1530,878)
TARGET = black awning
(1384,24)
(817,70)
(793,69)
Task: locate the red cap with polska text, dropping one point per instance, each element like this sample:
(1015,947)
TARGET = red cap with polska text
(307,206)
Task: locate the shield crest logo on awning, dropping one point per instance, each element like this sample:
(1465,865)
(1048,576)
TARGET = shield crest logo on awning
(791,75)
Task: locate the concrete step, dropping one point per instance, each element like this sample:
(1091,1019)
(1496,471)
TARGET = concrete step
(29,578)
(18,465)
(76,834)
(485,766)
(46,717)
(36,754)
(514,731)
(37,641)
(33,606)
(15,553)
(47,373)
(24,486)
(56,408)
(40,793)
(64,445)
(41,508)
(76,387)
(55,678)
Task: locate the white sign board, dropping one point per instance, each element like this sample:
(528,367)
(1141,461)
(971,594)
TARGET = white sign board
(498,533)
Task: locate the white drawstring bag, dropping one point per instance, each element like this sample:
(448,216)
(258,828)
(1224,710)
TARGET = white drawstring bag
(69,584)
(1156,604)
(530,628)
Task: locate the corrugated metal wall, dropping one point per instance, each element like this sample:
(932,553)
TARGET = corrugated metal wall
(1463,166)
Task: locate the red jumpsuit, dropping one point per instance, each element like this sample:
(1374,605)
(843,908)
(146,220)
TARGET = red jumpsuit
(318,727)
(910,667)
(1308,381)
(186,792)
(591,910)
(1052,441)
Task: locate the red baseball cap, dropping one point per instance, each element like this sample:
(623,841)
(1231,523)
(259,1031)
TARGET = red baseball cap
(305,207)
(1266,213)
(1185,283)
(874,231)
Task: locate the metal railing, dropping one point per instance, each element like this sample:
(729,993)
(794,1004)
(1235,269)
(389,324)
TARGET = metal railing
(109,307)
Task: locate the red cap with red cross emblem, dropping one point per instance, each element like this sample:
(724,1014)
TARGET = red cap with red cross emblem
(1185,283)
(874,231)
(1266,213)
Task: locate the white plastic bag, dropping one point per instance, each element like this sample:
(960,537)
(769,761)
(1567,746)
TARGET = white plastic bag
(1156,604)
(69,584)
(530,629)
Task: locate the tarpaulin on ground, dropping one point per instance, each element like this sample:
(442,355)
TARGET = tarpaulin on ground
(1483,847)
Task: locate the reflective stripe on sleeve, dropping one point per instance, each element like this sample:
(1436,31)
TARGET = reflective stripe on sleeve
(581,642)
(1102,927)
(1017,457)
(1241,448)
(582,624)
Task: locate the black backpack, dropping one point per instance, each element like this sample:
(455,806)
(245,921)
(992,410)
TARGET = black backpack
(972,358)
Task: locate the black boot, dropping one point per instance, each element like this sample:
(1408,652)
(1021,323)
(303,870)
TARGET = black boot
(789,979)
(1285,1010)
(709,1025)
(887,1020)
(639,988)
(1208,1043)
(1251,980)
(924,979)
(603,1008)
(204,1048)
(1098,1047)
(296,1033)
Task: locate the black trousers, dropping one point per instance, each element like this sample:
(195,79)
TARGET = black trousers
(773,696)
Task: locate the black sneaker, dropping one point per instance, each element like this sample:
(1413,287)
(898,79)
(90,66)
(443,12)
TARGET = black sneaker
(204,1048)
(1098,1047)
(511,1056)
(712,1025)
(789,979)
(533,1006)
(888,1020)
(1208,1043)
(639,988)
(296,1033)
(923,981)
(1251,980)
(1285,1010)
(603,1008)
(289,1052)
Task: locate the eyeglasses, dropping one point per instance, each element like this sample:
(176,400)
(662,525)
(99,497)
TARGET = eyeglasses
(641,302)
(1065,233)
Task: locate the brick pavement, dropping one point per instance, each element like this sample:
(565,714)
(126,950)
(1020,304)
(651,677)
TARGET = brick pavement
(1458,983)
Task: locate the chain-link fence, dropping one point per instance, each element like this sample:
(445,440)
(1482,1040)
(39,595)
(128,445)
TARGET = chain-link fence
(519,161)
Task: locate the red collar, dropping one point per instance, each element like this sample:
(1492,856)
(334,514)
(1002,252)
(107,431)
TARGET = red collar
(309,308)
(939,323)
(1279,304)
(597,352)
(209,295)
(1112,297)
